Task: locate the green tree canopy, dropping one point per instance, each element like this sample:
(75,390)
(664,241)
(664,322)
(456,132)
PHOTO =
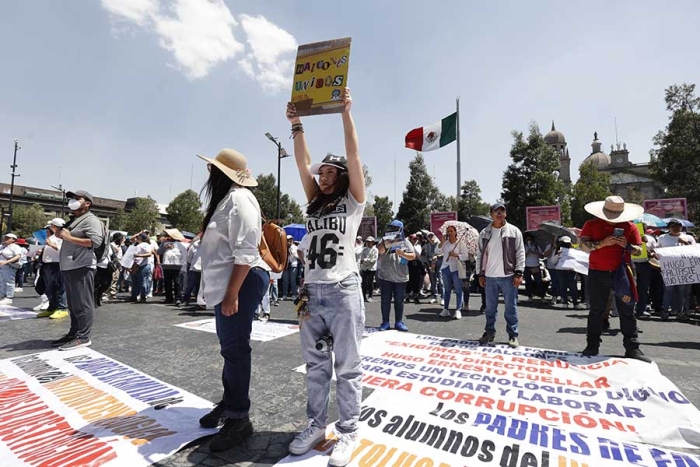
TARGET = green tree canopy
(143,216)
(592,185)
(675,161)
(532,179)
(266,194)
(420,198)
(470,202)
(184,212)
(382,210)
(28,219)
(118,222)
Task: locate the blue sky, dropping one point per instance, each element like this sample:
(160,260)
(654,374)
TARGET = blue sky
(117,96)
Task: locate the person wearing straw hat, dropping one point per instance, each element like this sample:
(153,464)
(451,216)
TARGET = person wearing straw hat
(610,238)
(173,259)
(332,279)
(234,279)
(10,255)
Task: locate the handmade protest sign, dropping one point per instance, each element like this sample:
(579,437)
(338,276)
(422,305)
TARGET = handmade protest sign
(82,408)
(573,260)
(679,264)
(320,75)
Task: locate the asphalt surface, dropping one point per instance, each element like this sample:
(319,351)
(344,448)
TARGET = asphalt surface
(143,336)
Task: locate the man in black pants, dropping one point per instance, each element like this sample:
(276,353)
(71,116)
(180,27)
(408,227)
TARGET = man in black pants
(82,236)
(51,273)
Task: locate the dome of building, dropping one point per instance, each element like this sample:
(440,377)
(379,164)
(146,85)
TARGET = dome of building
(554,136)
(600,160)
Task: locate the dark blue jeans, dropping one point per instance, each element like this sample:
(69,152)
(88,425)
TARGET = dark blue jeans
(568,286)
(643,270)
(234,339)
(398,290)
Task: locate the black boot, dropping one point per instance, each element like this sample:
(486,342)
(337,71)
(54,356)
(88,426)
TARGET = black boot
(592,347)
(234,431)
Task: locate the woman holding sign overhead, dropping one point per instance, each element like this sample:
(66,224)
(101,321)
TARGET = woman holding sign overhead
(336,310)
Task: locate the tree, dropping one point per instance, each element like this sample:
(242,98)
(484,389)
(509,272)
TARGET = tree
(118,222)
(532,179)
(382,210)
(470,202)
(28,219)
(266,193)
(143,216)
(675,161)
(420,198)
(184,212)
(592,185)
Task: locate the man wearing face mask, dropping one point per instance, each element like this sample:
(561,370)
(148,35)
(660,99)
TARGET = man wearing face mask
(82,236)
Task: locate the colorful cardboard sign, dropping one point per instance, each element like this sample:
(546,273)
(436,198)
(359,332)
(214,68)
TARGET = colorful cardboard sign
(320,75)
(669,207)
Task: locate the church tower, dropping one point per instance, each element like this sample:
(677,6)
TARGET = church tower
(556,140)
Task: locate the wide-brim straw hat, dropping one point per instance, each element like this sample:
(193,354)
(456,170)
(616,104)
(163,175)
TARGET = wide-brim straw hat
(174,234)
(234,165)
(614,209)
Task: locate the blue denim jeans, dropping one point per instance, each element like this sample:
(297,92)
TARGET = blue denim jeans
(289,282)
(675,296)
(504,285)
(336,309)
(234,338)
(273,290)
(142,281)
(451,280)
(555,279)
(568,286)
(7,281)
(398,291)
(192,290)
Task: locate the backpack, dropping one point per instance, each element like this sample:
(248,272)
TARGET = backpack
(273,246)
(101,250)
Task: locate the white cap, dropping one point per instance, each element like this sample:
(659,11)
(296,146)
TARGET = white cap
(58,222)
(11,235)
(565,239)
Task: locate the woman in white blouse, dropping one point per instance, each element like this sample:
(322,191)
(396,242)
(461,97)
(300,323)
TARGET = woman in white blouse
(453,251)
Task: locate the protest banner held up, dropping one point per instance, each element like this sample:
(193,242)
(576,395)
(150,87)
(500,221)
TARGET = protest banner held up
(320,74)
(368,227)
(537,215)
(680,264)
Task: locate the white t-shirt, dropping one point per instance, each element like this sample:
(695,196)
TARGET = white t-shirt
(293,256)
(494,250)
(330,256)
(667,240)
(10,251)
(532,258)
(450,261)
(50,255)
(142,248)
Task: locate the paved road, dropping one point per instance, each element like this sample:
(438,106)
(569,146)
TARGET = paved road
(143,336)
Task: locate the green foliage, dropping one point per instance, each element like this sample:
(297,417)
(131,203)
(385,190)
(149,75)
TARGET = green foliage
(470,203)
(184,212)
(118,222)
(382,210)
(592,185)
(675,162)
(266,194)
(28,219)
(144,215)
(420,198)
(532,178)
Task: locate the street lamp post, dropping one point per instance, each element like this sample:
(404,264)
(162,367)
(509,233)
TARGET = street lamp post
(281,154)
(12,185)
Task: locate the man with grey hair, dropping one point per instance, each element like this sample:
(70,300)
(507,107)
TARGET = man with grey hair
(84,239)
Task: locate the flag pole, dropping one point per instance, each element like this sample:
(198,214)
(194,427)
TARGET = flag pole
(459,164)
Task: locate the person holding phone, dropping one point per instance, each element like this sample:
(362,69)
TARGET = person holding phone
(610,239)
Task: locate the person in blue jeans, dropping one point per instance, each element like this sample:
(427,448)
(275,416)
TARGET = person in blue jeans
(454,251)
(500,262)
(143,277)
(234,280)
(336,311)
(393,274)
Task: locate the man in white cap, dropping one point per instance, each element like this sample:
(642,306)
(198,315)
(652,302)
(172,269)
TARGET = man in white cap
(84,239)
(10,254)
(610,239)
(289,276)
(51,273)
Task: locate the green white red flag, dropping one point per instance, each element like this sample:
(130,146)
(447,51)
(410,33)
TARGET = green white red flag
(435,136)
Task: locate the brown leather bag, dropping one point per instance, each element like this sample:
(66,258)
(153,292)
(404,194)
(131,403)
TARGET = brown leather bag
(273,246)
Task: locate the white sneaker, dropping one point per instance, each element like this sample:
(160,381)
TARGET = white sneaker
(458,314)
(432,300)
(444,313)
(6,301)
(307,439)
(343,449)
(41,306)
(442,302)
(150,295)
(19,289)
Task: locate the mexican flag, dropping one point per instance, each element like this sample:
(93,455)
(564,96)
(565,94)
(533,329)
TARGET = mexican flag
(433,136)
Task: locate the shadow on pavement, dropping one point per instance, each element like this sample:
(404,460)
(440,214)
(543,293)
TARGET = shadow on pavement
(38,344)
(688,345)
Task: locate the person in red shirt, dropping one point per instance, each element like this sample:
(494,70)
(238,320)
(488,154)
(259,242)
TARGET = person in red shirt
(607,239)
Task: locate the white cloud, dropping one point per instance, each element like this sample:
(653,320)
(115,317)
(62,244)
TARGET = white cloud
(272,52)
(199,34)
(138,11)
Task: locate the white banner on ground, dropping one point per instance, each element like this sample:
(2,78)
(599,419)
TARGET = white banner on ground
(680,264)
(601,397)
(573,260)
(82,408)
(262,331)
(403,430)
(11,313)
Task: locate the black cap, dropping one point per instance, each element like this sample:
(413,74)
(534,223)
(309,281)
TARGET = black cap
(338,162)
(79,194)
(674,221)
(498,205)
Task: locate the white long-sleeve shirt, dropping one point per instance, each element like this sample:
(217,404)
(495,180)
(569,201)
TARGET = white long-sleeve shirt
(232,237)
(450,261)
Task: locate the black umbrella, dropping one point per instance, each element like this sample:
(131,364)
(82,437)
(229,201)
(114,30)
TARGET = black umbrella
(479,222)
(558,231)
(543,239)
(188,235)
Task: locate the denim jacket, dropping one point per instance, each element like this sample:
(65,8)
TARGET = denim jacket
(513,250)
